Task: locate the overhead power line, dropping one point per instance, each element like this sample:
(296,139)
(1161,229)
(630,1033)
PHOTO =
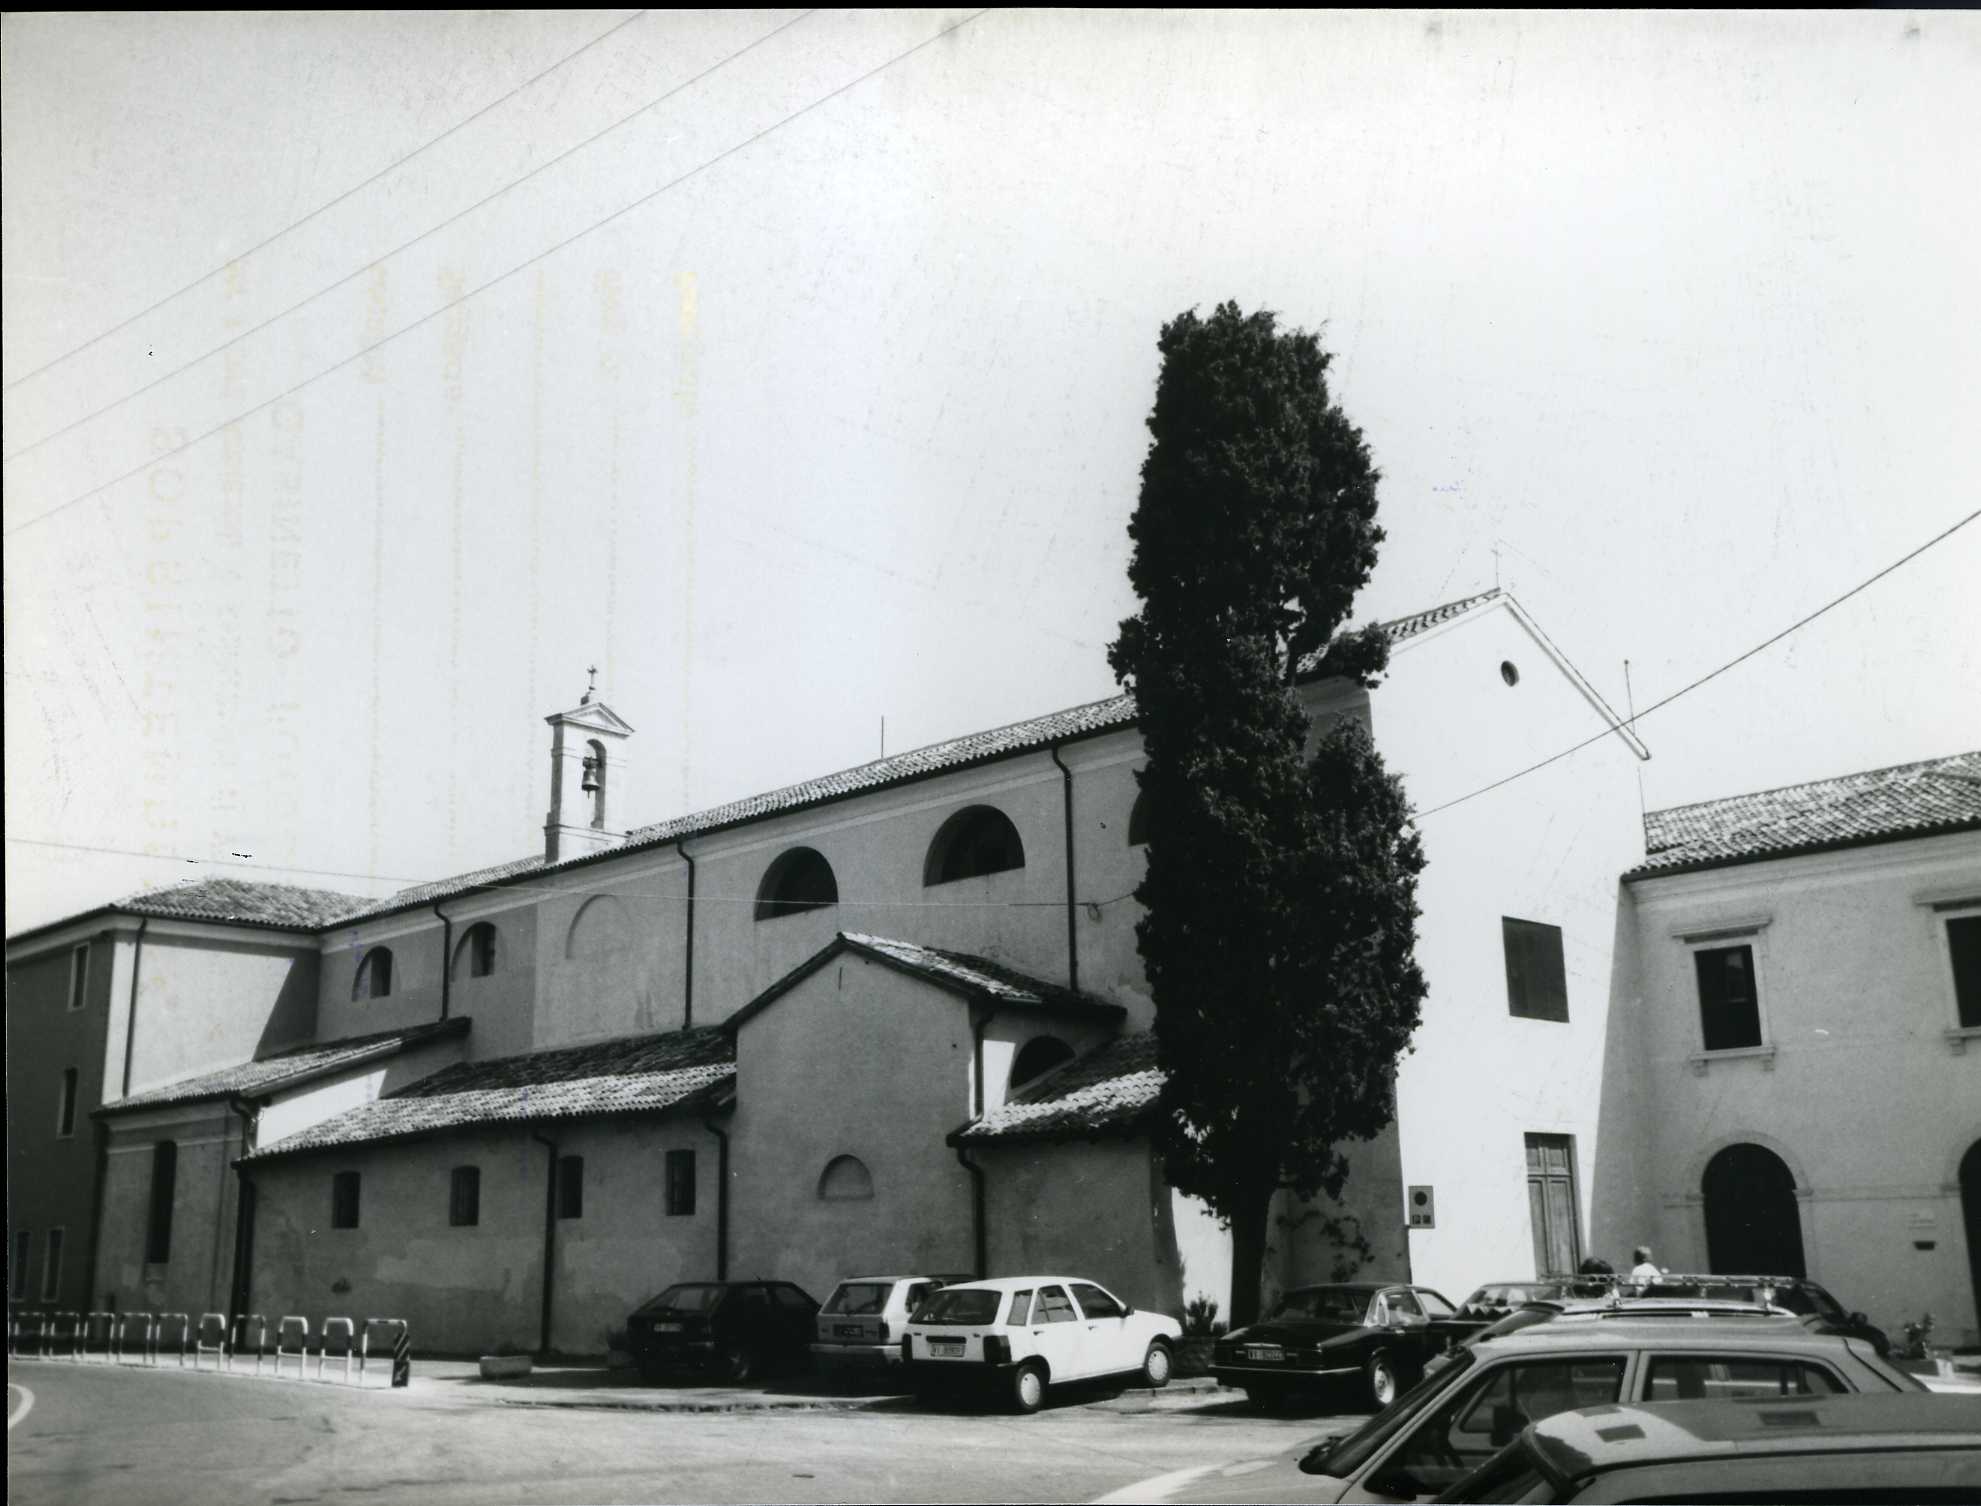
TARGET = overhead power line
(407,245)
(1710,675)
(500,277)
(321,209)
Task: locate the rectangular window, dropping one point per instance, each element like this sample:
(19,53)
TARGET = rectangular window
(1551,1204)
(17,1282)
(1536,982)
(78,976)
(464,1197)
(1021,1308)
(1695,1377)
(344,1200)
(571,1187)
(680,1182)
(164,1189)
(65,1112)
(1964,944)
(1729,1002)
(51,1266)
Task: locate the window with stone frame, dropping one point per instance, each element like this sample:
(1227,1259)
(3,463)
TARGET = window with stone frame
(571,1187)
(164,1192)
(464,1197)
(1729,997)
(680,1183)
(65,1108)
(1536,978)
(1964,952)
(344,1186)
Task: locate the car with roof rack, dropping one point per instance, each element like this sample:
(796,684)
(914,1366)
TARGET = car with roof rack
(1809,1300)
(1476,1402)
(1023,1334)
(1806,1449)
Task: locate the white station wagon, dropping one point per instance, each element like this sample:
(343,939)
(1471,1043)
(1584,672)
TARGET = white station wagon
(1024,1333)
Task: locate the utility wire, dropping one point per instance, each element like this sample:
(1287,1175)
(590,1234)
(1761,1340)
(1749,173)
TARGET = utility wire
(321,209)
(480,288)
(1710,674)
(434,229)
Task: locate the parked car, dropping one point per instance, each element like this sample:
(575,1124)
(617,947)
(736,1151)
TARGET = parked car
(1022,1334)
(1496,1299)
(1542,1309)
(1806,1298)
(1385,1334)
(862,1321)
(1468,1409)
(1832,1448)
(737,1329)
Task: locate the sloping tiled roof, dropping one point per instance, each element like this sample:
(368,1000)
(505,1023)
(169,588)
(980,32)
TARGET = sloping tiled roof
(270,1074)
(630,1075)
(958,972)
(246,902)
(1111,1089)
(1114,713)
(1880,805)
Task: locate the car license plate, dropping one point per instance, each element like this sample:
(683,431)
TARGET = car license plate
(1270,1352)
(946,1349)
(847,1330)
(667,1328)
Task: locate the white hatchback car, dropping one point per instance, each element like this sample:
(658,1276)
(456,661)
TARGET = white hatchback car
(1024,1333)
(862,1321)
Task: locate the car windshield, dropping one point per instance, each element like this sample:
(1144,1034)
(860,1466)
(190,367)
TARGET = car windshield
(859,1299)
(1332,1304)
(961,1305)
(696,1298)
(1344,1458)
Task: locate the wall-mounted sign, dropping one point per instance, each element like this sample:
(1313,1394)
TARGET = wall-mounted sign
(1423,1207)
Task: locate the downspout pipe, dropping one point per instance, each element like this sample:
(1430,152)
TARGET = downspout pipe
(446,956)
(549,1237)
(976,1210)
(721,1198)
(131,1013)
(244,1215)
(1072,931)
(103,1129)
(688,946)
(980,1018)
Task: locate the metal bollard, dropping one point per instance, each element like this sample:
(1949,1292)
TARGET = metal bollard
(340,1328)
(242,1326)
(89,1327)
(73,1321)
(402,1348)
(185,1325)
(123,1322)
(215,1325)
(298,1328)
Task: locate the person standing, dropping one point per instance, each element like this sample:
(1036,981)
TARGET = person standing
(1644,1268)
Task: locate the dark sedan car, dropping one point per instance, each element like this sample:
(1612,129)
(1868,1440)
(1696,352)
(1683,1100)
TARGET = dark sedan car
(1380,1333)
(738,1329)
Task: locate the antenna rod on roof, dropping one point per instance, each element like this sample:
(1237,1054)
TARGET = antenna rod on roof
(883,737)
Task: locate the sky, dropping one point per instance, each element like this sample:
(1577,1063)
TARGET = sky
(370,377)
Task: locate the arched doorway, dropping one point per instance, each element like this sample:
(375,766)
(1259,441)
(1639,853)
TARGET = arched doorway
(1970,1212)
(1753,1227)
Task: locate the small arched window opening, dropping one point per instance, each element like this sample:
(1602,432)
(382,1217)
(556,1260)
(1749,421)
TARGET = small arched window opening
(474,955)
(374,979)
(977,840)
(594,781)
(1138,821)
(846,1179)
(598,928)
(800,879)
(1038,1056)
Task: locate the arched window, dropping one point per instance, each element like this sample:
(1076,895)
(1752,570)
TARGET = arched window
(846,1179)
(474,954)
(600,927)
(1040,1054)
(977,840)
(800,879)
(1138,821)
(374,977)
(1753,1223)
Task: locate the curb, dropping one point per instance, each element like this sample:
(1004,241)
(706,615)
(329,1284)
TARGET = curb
(1139,1398)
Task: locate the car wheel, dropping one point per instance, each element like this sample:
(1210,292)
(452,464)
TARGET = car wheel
(1155,1366)
(1381,1373)
(735,1361)
(1028,1386)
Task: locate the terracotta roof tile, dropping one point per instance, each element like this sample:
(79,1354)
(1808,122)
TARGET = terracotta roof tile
(1113,1088)
(269,1074)
(1910,800)
(246,902)
(629,1075)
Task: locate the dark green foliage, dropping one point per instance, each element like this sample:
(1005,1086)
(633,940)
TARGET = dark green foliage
(1281,888)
